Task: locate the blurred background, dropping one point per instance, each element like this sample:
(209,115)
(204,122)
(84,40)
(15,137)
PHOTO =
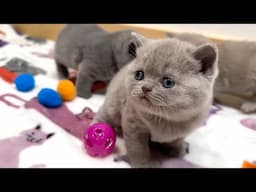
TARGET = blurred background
(222,31)
(216,31)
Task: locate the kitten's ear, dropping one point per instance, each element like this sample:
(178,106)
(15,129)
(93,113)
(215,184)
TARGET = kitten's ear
(132,48)
(49,135)
(207,54)
(38,127)
(137,41)
(140,39)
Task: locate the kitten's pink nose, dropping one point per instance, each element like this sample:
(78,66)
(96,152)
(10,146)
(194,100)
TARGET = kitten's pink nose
(146,89)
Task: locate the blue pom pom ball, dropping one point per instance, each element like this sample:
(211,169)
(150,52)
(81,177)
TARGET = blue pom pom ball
(49,98)
(24,82)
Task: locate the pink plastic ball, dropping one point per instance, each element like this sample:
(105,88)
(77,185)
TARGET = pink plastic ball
(99,139)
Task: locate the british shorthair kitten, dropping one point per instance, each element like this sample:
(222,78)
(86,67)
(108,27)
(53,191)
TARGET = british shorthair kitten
(235,84)
(160,97)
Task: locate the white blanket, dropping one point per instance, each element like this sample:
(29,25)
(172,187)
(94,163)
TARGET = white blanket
(222,142)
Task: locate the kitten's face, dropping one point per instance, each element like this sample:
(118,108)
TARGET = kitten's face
(36,136)
(166,74)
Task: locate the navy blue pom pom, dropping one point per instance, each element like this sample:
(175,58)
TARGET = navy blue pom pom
(49,98)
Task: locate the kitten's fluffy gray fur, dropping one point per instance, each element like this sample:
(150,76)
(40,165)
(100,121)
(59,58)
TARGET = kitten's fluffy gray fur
(95,53)
(161,115)
(237,70)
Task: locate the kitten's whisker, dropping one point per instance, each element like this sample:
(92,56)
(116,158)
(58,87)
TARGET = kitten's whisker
(157,98)
(135,92)
(158,109)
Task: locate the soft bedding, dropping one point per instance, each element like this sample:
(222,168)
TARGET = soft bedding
(226,140)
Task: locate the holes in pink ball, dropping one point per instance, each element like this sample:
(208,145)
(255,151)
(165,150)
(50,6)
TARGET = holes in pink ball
(99,133)
(88,142)
(108,142)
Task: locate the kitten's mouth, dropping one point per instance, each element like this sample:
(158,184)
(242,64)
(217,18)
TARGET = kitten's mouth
(145,98)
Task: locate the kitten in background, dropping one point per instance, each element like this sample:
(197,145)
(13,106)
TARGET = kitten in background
(160,97)
(96,54)
(237,71)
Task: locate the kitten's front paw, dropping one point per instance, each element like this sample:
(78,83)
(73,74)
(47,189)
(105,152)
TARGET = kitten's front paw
(248,107)
(137,164)
(122,158)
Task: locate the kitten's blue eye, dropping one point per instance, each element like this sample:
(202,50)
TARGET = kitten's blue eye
(139,75)
(168,83)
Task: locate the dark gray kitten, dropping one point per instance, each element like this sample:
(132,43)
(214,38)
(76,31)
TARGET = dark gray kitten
(95,53)
(237,71)
(160,97)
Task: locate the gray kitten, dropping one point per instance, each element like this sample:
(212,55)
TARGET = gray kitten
(237,70)
(160,97)
(95,53)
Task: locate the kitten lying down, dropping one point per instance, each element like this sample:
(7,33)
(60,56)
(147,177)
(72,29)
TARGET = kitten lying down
(235,84)
(160,97)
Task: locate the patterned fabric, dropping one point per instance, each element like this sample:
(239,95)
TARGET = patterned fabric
(227,138)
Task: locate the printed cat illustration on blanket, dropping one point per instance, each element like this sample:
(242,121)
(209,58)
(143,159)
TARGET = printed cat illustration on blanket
(11,147)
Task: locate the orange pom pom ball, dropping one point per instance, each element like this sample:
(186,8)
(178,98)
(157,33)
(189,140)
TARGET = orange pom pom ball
(66,89)
(247,164)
